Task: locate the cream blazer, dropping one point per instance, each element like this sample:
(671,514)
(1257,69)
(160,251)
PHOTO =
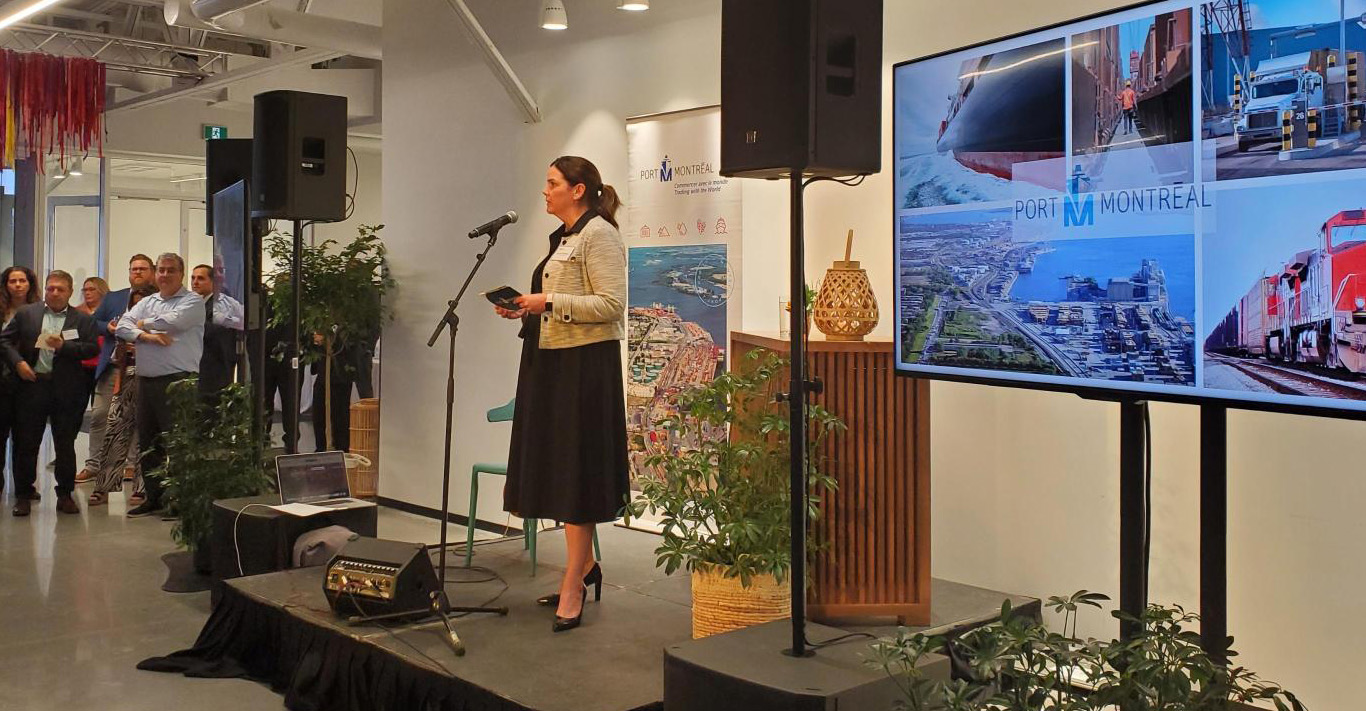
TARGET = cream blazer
(585,281)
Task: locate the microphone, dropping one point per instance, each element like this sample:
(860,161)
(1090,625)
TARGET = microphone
(494,225)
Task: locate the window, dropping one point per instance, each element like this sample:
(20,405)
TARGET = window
(74,240)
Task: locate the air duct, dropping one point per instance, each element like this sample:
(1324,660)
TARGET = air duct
(180,13)
(271,24)
(212,10)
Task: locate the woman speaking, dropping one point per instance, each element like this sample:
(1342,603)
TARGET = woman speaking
(568,455)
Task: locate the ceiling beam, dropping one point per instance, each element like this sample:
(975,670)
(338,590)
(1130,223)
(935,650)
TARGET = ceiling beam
(59,11)
(514,87)
(131,20)
(224,79)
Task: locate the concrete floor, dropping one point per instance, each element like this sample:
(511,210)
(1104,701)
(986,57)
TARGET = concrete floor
(81,604)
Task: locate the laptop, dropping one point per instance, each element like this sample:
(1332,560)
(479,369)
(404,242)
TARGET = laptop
(316,479)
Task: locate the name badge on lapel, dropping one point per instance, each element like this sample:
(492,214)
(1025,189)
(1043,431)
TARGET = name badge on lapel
(566,251)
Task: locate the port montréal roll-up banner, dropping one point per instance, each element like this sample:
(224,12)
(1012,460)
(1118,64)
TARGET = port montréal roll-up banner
(682,230)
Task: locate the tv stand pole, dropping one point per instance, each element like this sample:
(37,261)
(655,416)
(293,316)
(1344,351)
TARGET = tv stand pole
(1133,519)
(1214,532)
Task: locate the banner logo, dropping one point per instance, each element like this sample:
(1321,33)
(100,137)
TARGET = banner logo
(1073,214)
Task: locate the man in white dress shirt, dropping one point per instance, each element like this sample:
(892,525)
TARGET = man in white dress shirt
(168,328)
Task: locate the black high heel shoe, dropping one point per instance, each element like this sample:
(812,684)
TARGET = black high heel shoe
(592,577)
(564,624)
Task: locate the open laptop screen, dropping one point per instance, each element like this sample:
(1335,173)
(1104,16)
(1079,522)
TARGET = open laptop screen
(312,477)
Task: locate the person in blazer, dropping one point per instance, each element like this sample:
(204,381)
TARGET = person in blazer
(224,319)
(45,344)
(567,460)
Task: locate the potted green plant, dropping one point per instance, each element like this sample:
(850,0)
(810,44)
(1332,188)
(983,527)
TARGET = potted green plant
(209,456)
(724,501)
(342,303)
(1016,663)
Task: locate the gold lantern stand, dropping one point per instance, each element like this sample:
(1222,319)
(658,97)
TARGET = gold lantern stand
(846,308)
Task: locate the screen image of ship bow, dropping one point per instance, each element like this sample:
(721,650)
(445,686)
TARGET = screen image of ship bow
(1008,110)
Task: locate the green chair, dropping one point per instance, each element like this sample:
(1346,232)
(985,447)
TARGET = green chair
(529,525)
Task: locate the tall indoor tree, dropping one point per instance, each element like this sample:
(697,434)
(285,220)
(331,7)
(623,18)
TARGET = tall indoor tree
(342,299)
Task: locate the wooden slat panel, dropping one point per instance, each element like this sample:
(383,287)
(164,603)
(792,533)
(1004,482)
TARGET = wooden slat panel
(877,523)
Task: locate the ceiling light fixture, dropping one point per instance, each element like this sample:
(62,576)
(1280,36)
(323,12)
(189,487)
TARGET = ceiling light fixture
(75,169)
(633,5)
(554,16)
(25,12)
(191,179)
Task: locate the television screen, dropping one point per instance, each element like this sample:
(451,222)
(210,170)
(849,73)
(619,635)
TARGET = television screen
(230,232)
(1166,201)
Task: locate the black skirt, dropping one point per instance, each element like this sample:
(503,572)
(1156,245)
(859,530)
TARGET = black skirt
(568,455)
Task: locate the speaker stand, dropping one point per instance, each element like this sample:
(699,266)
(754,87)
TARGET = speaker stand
(296,276)
(796,398)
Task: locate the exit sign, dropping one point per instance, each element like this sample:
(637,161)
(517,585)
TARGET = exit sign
(215,132)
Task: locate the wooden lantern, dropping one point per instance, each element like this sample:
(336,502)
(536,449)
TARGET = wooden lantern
(846,309)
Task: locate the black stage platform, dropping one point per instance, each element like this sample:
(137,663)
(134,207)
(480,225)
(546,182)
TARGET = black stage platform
(277,628)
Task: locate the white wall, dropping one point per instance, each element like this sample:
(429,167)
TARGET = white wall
(172,129)
(1025,483)
(149,227)
(368,187)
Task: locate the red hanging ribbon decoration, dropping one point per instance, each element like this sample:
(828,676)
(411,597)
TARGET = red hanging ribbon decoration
(58,105)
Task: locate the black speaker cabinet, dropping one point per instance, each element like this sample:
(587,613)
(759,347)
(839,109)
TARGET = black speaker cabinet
(226,161)
(801,87)
(299,157)
(372,576)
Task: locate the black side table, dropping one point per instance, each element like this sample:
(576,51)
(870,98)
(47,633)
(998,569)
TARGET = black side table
(265,537)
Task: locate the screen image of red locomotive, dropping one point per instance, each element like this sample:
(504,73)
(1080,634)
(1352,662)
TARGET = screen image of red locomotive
(1300,328)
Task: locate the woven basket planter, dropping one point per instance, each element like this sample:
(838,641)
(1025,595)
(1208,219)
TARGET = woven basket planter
(721,604)
(365,441)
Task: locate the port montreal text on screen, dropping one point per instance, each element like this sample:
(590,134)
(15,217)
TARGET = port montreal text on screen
(1075,209)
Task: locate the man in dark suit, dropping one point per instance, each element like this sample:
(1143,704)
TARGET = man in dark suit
(45,344)
(276,374)
(223,323)
(140,273)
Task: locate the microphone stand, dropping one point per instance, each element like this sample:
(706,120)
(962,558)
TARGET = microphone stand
(441,604)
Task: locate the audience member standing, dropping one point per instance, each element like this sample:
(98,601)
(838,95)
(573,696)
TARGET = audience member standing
(18,287)
(113,306)
(168,329)
(223,322)
(93,292)
(279,340)
(119,450)
(21,289)
(45,344)
(345,364)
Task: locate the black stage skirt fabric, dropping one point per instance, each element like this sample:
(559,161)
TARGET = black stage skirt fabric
(316,668)
(567,461)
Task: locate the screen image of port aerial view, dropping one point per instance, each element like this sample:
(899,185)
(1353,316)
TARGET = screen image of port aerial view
(676,328)
(1117,309)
